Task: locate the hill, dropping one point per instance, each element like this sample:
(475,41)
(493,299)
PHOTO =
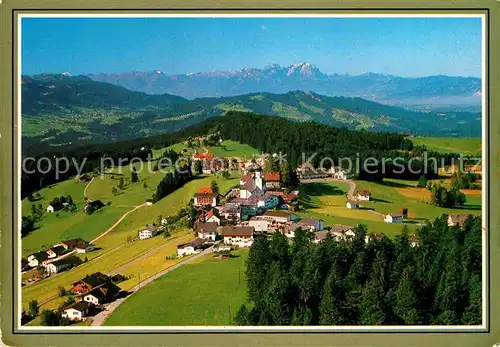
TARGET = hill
(63,111)
(431,91)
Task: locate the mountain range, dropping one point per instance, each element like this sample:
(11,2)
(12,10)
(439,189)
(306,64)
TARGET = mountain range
(64,110)
(423,93)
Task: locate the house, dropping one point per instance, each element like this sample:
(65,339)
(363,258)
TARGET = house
(90,282)
(25,265)
(453,219)
(364,195)
(102,295)
(231,212)
(307,171)
(393,218)
(211,217)
(343,232)
(148,232)
(259,224)
(70,244)
(36,259)
(203,156)
(94,205)
(320,236)
(84,247)
(207,231)
(268,201)
(352,204)
(77,311)
(237,236)
(413,240)
(312,224)
(192,247)
(290,229)
(55,207)
(376,236)
(205,199)
(340,174)
(277,216)
(253,186)
(61,264)
(56,251)
(272,180)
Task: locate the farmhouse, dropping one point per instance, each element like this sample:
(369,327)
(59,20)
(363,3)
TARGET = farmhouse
(70,244)
(364,195)
(272,180)
(352,204)
(277,216)
(231,212)
(343,232)
(207,231)
(149,232)
(455,219)
(55,207)
(192,247)
(203,198)
(238,236)
(36,259)
(90,282)
(61,264)
(211,217)
(102,295)
(312,224)
(84,247)
(55,251)
(77,311)
(259,224)
(393,218)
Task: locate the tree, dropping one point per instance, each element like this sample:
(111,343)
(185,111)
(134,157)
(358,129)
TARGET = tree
(33,308)
(422,181)
(27,225)
(276,297)
(134,177)
(30,197)
(215,187)
(198,166)
(62,291)
(330,312)
(407,300)
(145,185)
(49,318)
(114,190)
(257,265)
(242,316)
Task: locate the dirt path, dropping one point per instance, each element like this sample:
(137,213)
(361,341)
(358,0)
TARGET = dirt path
(100,318)
(87,186)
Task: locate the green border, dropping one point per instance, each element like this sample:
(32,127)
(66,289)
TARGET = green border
(246,339)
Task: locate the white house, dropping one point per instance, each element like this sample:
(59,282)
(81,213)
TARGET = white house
(364,195)
(231,211)
(147,233)
(207,231)
(272,180)
(268,201)
(61,264)
(260,225)
(205,199)
(238,236)
(343,232)
(277,216)
(77,311)
(393,218)
(189,248)
(211,217)
(37,258)
(55,251)
(102,294)
(312,224)
(84,248)
(352,204)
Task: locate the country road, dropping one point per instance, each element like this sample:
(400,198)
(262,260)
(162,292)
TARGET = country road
(101,317)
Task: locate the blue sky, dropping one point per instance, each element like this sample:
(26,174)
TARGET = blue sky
(397,46)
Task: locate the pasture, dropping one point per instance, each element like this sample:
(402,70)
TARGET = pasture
(465,146)
(233,149)
(208,292)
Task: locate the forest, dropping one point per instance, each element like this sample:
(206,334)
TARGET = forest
(383,282)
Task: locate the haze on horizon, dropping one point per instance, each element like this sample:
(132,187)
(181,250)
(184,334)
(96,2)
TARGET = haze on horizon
(408,47)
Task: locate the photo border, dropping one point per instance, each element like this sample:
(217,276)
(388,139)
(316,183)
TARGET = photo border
(291,335)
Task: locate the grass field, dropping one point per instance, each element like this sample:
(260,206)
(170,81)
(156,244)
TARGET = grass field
(229,148)
(203,293)
(465,146)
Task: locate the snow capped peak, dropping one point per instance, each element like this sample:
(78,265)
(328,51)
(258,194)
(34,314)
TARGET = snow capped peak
(66,74)
(158,72)
(272,67)
(304,69)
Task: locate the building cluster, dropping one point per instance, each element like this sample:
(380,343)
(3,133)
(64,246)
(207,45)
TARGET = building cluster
(307,172)
(92,292)
(58,258)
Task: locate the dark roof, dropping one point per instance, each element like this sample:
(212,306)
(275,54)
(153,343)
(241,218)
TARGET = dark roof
(95,203)
(237,231)
(73,242)
(276,214)
(58,250)
(41,256)
(150,228)
(79,306)
(67,260)
(339,228)
(82,245)
(57,206)
(205,195)
(209,227)
(196,243)
(231,208)
(105,292)
(396,215)
(96,279)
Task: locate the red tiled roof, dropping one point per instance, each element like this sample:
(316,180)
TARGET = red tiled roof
(205,190)
(272,176)
(205,195)
(364,193)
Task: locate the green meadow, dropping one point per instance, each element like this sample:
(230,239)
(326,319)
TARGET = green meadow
(208,292)
(230,148)
(465,146)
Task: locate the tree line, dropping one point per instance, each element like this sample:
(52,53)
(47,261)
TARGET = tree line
(383,282)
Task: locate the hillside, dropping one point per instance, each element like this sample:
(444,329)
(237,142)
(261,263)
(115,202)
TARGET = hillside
(62,111)
(435,92)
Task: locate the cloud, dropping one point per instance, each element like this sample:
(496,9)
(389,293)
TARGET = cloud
(263,27)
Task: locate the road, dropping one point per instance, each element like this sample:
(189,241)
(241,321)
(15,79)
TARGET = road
(101,317)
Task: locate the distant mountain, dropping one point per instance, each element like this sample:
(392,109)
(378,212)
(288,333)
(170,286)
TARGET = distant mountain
(63,110)
(431,92)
